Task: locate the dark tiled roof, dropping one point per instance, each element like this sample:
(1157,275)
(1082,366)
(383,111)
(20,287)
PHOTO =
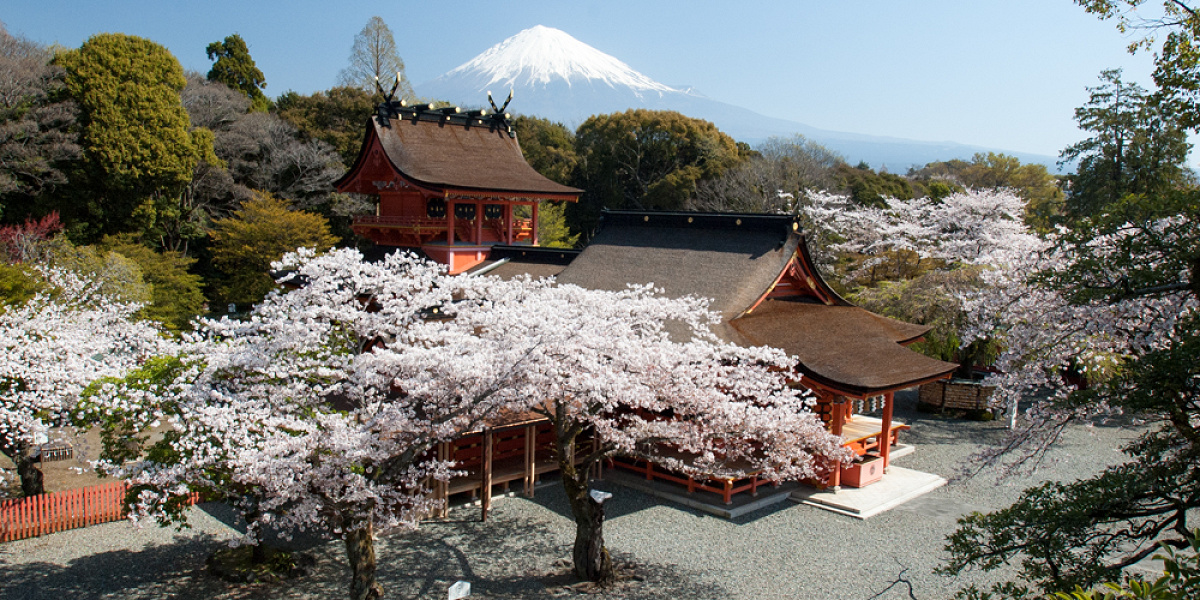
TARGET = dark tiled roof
(731,259)
(507,262)
(844,346)
(458,153)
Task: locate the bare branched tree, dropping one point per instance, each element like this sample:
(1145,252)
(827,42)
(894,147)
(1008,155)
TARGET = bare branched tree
(772,181)
(35,133)
(374,56)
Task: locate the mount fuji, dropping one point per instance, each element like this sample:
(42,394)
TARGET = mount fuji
(557,77)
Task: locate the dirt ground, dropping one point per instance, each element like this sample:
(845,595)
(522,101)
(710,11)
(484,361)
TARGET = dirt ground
(67,474)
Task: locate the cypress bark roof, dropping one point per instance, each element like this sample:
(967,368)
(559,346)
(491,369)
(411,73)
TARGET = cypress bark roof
(844,347)
(469,154)
(732,259)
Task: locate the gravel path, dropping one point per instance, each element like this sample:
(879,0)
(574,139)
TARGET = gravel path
(786,551)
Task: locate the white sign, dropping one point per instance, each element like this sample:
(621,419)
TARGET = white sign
(460,590)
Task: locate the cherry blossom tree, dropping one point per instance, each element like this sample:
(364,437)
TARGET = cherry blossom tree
(937,254)
(319,412)
(982,227)
(618,382)
(1113,299)
(53,345)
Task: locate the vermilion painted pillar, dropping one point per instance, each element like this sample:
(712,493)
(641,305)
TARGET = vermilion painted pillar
(485,500)
(885,442)
(508,223)
(450,223)
(478,223)
(535,224)
(837,414)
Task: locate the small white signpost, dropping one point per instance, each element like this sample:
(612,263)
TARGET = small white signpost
(460,590)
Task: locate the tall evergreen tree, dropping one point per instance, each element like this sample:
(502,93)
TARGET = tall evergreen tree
(548,147)
(1137,147)
(235,68)
(645,159)
(139,148)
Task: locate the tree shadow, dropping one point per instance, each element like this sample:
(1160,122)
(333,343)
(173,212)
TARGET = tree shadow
(174,570)
(295,540)
(625,501)
(167,571)
(514,555)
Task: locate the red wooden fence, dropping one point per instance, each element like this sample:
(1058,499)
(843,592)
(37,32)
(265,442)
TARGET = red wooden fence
(47,513)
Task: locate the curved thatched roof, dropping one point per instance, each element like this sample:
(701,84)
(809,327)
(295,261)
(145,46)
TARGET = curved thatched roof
(844,347)
(458,153)
(731,259)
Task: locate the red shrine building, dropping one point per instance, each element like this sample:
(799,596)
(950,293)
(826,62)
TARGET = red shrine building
(450,184)
(456,187)
(758,272)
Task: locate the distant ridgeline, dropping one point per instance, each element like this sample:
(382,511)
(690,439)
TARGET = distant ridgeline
(562,79)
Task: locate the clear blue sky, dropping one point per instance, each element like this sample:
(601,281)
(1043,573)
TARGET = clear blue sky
(997,73)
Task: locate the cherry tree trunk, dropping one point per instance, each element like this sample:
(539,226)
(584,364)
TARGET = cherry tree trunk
(360,551)
(591,558)
(258,553)
(27,470)
(592,561)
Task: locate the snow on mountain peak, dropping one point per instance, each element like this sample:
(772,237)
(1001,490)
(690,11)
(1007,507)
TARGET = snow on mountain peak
(541,55)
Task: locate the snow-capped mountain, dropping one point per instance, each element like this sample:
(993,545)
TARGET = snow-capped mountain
(557,77)
(554,76)
(542,56)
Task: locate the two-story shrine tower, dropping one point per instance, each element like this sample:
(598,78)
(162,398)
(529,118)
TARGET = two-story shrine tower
(450,183)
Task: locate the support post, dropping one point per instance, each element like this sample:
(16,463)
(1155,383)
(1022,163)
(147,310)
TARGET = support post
(508,224)
(530,458)
(443,487)
(485,500)
(450,223)
(837,415)
(478,223)
(535,224)
(885,440)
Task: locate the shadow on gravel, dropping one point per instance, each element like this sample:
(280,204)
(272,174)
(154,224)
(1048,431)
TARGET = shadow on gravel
(163,571)
(624,501)
(510,556)
(298,541)
(944,428)
(423,563)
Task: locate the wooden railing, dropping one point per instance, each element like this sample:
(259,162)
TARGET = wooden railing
(407,222)
(22,518)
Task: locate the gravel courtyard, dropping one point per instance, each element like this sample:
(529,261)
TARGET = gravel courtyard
(786,551)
